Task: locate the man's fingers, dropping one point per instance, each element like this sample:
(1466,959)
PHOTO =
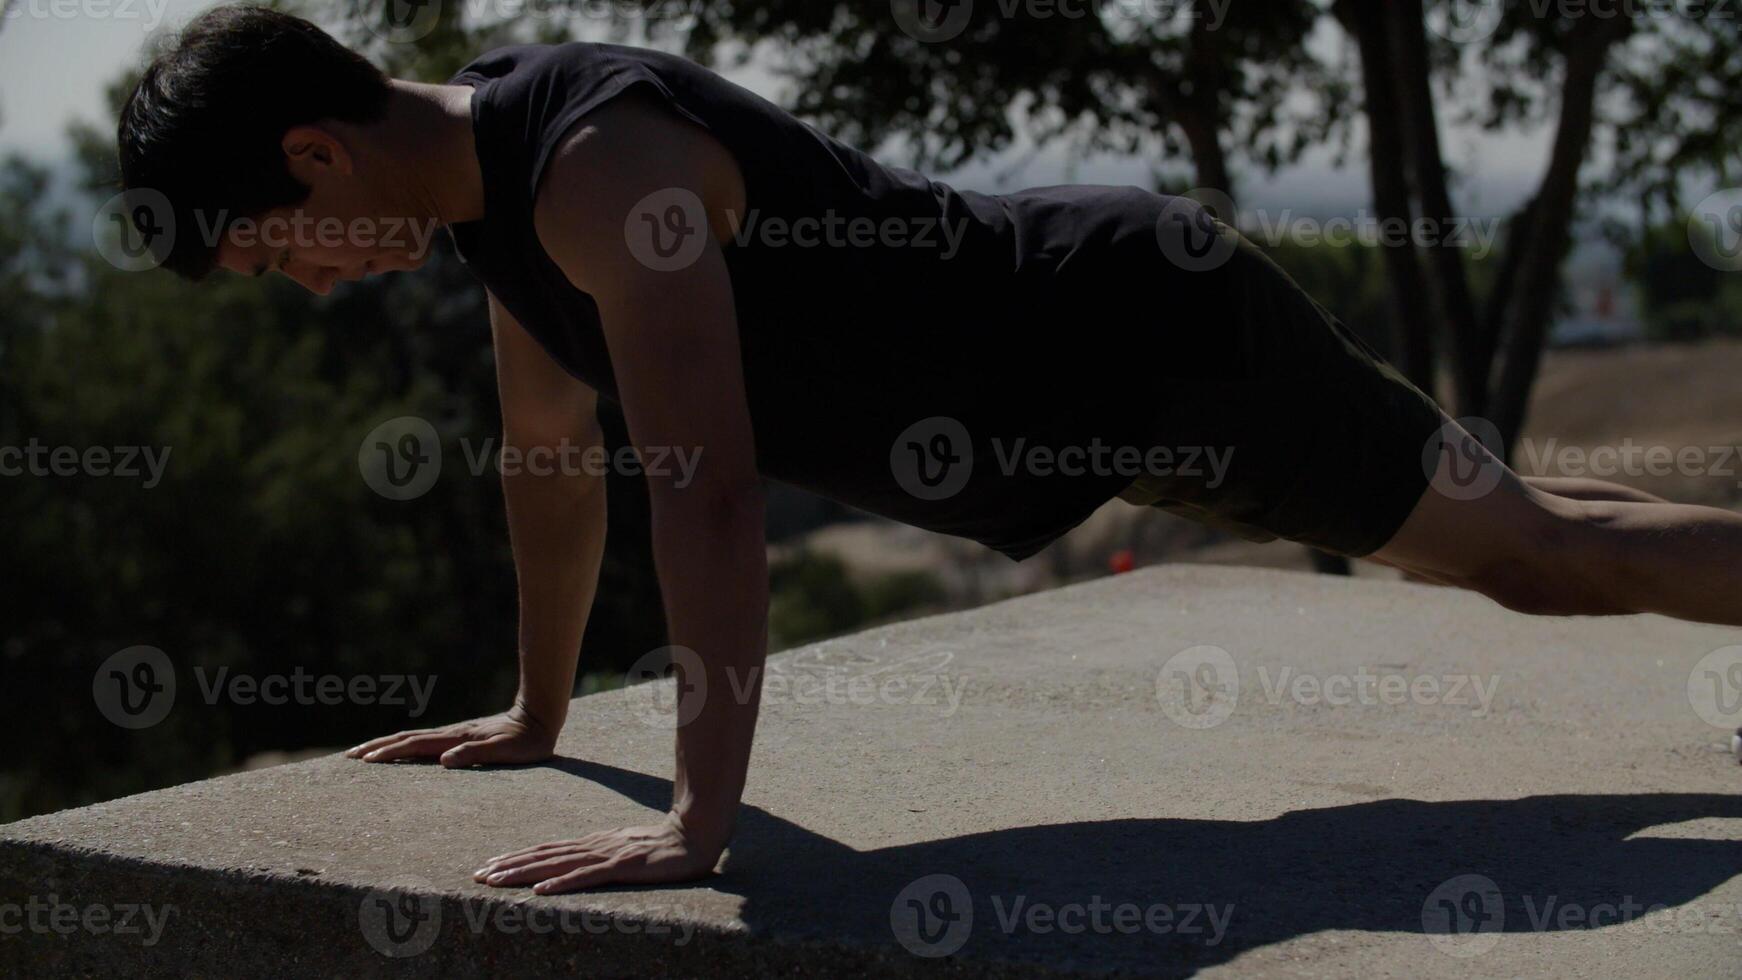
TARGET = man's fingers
(548,846)
(521,858)
(414,746)
(471,753)
(548,868)
(633,855)
(357,752)
(617,869)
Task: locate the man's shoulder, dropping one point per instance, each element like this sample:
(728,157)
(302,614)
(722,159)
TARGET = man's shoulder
(619,137)
(612,162)
(596,57)
(628,154)
(505,60)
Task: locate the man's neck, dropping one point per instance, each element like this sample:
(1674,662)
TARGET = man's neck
(427,135)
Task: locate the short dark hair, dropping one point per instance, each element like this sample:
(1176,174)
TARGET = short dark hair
(206,123)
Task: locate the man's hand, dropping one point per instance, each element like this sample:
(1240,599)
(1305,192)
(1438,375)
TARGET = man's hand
(656,854)
(511,738)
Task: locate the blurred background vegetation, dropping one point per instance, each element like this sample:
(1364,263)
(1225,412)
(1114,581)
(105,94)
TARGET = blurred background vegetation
(262,549)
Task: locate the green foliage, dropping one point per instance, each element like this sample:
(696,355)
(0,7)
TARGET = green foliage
(260,549)
(1682,298)
(1349,279)
(813,597)
(899,595)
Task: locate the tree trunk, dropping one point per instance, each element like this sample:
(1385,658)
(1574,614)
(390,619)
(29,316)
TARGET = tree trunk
(1548,236)
(1200,111)
(1448,280)
(1209,159)
(1412,349)
(1499,298)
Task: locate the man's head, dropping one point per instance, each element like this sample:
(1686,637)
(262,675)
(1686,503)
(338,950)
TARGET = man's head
(246,123)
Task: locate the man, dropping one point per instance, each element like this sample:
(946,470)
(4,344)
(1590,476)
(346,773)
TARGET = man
(995,367)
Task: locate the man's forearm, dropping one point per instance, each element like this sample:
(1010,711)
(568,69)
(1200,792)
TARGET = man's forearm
(556,523)
(713,567)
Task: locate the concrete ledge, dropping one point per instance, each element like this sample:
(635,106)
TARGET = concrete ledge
(1013,789)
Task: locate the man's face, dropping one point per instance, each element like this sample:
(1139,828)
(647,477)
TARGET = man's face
(344,230)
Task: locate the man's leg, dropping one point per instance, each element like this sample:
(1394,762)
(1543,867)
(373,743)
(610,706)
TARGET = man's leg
(1585,488)
(1571,487)
(1537,551)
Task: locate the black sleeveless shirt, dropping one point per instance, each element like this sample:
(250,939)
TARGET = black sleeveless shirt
(978,365)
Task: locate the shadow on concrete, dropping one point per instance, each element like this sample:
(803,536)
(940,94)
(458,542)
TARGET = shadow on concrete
(1369,867)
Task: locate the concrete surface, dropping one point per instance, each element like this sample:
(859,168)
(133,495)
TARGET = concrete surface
(1082,821)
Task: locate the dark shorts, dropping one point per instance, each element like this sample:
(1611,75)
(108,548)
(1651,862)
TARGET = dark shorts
(1310,436)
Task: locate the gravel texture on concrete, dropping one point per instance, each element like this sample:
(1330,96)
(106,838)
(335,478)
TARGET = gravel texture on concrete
(1171,772)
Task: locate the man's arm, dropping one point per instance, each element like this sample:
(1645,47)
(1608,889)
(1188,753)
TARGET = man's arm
(673,339)
(556,516)
(556,522)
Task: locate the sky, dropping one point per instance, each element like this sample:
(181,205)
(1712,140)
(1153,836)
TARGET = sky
(57,55)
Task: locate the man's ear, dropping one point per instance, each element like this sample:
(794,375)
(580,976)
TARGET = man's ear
(309,150)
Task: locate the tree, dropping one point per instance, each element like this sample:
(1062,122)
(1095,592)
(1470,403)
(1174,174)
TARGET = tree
(1655,89)
(1179,80)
